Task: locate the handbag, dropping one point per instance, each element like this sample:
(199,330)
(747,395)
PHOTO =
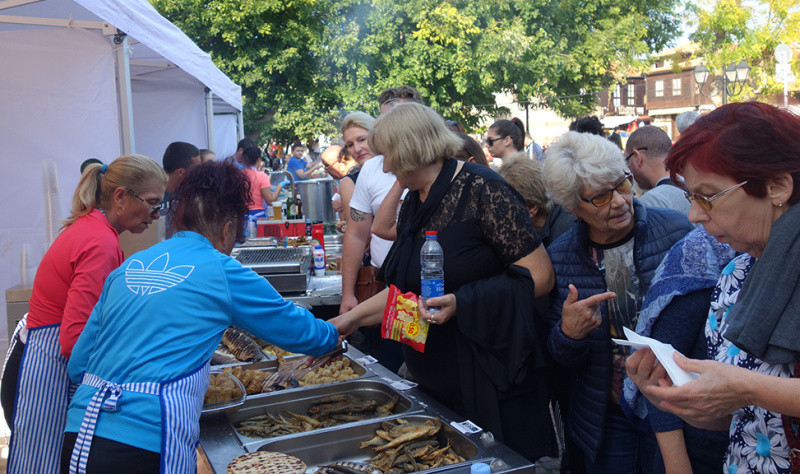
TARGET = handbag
(367,283)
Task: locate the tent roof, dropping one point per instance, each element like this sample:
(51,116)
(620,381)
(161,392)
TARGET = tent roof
(161,45)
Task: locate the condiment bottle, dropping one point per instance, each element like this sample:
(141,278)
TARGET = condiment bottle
(318,234)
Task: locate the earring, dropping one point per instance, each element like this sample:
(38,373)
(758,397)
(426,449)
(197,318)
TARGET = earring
(121,208)
(780,203)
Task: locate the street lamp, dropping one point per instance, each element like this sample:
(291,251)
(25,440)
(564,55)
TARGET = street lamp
(731,82)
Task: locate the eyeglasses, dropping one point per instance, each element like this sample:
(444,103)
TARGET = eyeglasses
(705,202)
(491,141)
(622,186)
(628,158)
(153,209)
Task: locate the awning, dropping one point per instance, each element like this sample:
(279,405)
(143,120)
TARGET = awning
(670,111)
(614,121)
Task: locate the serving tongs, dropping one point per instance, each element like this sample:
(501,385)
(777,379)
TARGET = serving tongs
(289,373)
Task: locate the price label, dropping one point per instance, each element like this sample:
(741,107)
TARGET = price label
(466,427)
(367,360)
(401,385)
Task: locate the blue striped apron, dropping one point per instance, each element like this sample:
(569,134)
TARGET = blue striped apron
(40,408)
(181,403)
(15,338)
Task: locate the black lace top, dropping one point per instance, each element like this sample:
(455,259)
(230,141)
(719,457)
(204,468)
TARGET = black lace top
(483,228)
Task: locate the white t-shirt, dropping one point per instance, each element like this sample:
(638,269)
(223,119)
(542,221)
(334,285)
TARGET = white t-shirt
(371,187)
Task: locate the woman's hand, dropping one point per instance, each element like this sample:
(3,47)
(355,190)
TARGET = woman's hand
(579,318)
(720,390)
(345,324)
(645,371)
(448,304)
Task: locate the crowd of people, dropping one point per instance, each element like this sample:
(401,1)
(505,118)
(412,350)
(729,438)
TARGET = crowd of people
(549,255)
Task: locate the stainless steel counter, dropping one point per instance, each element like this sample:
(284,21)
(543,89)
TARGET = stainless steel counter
(220,444)
(322,290)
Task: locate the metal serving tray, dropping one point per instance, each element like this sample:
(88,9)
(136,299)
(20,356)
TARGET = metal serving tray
(318,448)
(272,366)
(299,403)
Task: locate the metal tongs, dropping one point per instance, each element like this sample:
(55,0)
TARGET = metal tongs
(289,373)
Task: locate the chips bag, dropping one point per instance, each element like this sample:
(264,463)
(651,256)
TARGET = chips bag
(401,320)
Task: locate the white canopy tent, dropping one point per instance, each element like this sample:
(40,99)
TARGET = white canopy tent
(94,78)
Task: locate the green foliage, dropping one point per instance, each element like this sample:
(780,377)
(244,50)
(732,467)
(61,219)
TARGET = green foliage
(729,31)
(302,64)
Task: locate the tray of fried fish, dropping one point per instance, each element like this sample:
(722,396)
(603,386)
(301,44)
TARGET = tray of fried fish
(256,376)
(318,408)
(408,443)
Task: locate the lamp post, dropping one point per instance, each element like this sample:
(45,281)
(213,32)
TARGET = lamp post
(730,83)
(520,104)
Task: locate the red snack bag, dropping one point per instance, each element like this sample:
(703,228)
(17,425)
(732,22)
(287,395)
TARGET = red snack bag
(401,320)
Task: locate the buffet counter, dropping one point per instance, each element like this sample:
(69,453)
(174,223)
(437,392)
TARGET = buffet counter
(222,437)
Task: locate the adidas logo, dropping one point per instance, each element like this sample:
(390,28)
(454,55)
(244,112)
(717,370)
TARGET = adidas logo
(155,278)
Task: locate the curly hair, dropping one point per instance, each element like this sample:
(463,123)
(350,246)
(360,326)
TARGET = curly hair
(210,195)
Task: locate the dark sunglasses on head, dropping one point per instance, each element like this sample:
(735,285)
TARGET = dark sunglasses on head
(154,210)
(622,186)
(491,140)
(705,202)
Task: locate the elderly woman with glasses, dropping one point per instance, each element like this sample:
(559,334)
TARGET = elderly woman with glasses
(603,267)
(122,196)
(741,165)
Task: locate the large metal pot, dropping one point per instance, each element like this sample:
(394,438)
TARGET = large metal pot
(316,195)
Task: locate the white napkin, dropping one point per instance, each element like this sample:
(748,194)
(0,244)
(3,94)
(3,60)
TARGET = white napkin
(664,354)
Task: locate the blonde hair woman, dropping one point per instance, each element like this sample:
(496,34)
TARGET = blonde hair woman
(123,196)
(494,266)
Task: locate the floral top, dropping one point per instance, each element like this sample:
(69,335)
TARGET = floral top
(757,440)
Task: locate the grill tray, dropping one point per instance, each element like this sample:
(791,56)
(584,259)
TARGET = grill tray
(265,261)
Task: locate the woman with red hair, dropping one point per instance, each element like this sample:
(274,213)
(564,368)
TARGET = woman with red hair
(741,166)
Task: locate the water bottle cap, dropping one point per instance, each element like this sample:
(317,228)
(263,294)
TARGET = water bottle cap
(431,233)
(480,468)
(318,247)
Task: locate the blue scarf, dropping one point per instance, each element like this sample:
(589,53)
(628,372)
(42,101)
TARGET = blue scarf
(693,264)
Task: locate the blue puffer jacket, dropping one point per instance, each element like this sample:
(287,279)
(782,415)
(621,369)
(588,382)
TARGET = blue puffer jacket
(589,359)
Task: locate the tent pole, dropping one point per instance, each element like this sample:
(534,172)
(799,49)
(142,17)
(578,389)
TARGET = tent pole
(240,120)
(125,100)
(210,118)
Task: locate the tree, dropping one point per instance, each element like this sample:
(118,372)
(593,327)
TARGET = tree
(302,64)
(728,31)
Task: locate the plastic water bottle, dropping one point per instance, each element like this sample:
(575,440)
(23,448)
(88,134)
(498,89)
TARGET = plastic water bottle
(431,260)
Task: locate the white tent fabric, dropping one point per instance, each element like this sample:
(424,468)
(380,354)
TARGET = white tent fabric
(224,125)
(60,100)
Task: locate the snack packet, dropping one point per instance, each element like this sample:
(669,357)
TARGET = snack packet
(401,320)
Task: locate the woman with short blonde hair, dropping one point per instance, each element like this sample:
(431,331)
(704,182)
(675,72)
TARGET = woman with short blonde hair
(494,268)
(411,136)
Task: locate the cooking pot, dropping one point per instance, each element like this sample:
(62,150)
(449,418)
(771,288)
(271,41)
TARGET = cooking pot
(316,195)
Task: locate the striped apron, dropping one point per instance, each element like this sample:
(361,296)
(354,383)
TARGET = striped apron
(181,403)
(40,407)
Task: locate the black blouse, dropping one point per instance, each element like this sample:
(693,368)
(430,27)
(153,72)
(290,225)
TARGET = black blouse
(483,227)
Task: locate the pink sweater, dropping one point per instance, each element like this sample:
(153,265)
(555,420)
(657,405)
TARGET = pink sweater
(71,276)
